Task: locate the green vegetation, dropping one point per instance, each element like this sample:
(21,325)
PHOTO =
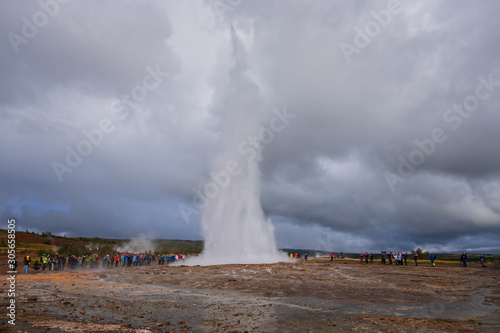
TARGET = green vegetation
(421,253)
(29,248)
(178,246)
(49,252)
(454,258)
(76,249)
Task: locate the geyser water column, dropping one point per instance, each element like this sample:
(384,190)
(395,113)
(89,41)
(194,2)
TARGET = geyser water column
(233,222)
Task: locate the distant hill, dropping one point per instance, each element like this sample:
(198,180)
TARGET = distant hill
(34,238)
(35,244)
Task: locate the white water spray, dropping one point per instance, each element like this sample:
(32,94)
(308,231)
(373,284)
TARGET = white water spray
(233,222)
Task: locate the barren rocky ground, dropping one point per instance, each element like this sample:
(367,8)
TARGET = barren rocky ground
(314,296)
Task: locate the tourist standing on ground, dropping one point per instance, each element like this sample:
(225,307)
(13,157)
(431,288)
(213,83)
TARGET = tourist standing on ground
(465,259)
(27,261)
(305,256)
(44,261)
(390,258)
(432,257)
(481,258)
(371,257)
(461,260)
(331,256)
(415,257)
(405,256)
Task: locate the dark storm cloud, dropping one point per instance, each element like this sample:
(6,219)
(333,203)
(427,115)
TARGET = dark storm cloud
(99,46)
(324,175)
(360,117)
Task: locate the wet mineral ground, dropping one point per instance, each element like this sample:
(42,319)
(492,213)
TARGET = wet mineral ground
(313,296)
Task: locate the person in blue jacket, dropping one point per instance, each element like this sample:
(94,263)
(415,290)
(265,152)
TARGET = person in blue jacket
(432,257)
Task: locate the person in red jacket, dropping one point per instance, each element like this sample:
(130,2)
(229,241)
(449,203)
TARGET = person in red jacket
(331,256)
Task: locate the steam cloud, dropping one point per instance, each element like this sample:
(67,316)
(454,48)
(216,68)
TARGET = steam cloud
(137,245)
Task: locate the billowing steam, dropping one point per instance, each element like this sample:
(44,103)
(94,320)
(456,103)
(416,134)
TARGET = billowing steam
(137,245)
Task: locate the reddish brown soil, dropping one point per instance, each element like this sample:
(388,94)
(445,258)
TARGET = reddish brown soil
(36,239)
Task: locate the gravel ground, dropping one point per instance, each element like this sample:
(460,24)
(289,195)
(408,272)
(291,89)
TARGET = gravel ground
(313,296)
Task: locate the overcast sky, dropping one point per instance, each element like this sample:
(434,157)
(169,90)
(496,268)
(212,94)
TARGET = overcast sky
(109,121)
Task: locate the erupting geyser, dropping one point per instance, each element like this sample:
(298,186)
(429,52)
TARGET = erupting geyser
(234,227)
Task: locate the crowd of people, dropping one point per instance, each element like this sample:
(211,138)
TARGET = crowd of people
(399,258)
(61,262)
(364,257)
